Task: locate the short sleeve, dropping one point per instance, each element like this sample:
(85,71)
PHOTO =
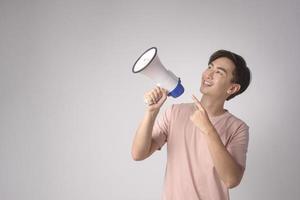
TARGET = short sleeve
(238,146)
(161,128)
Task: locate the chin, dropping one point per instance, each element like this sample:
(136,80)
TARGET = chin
(202,90)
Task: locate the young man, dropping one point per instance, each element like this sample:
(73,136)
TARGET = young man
(206,144)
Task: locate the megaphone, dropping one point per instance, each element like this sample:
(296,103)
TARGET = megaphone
(149,65)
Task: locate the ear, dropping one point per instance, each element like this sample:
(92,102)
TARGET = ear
(234,88)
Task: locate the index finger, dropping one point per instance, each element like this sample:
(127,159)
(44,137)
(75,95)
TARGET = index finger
(197,102)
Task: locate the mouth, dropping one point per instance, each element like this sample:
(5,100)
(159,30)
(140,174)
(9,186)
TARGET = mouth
(207,83)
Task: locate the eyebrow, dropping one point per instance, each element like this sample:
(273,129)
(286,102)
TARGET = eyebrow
(221,68)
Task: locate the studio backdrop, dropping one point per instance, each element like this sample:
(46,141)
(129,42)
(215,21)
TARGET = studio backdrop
(70,104)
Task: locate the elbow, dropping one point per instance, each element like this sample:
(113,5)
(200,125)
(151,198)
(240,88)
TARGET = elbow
(136,157)
(235,179)
(233,182)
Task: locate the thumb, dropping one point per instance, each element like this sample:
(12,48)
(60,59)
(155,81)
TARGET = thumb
(164,96)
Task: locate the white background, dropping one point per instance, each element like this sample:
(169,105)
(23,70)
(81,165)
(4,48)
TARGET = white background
(70,105)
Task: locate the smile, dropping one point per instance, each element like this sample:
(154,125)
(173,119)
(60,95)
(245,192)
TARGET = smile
(206,83)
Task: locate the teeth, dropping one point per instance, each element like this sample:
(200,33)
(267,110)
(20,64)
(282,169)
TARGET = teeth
(207,83)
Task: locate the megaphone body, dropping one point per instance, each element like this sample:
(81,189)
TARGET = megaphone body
(149,65)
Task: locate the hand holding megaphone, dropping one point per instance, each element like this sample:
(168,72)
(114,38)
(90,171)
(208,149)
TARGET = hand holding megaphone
(149,65)
(155,98)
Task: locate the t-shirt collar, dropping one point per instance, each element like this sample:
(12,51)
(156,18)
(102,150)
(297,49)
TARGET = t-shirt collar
(218,117)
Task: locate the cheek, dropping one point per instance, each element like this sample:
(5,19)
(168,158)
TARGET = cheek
(221,83)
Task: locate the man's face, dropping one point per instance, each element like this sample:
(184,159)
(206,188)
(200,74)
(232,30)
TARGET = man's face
(216,79)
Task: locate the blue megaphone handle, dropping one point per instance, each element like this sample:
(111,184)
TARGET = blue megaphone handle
(179,90)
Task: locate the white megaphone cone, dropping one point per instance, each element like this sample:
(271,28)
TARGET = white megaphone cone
(149,65)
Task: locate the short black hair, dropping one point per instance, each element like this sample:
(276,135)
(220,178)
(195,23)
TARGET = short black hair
(241,73)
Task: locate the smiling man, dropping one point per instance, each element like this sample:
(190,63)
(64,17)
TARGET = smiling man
(206,144)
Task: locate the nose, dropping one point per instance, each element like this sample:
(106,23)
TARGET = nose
(209,74)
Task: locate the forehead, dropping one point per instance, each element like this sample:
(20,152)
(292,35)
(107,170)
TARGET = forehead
(225,63)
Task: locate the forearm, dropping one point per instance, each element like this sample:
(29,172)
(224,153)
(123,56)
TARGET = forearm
(227,168)
(143,137)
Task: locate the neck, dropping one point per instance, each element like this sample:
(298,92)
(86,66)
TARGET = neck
(214,107)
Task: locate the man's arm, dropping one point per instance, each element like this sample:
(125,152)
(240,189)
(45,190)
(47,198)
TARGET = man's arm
(143,145)
(228,169)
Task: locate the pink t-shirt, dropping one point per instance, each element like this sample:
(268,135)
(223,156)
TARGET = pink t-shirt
(190,173)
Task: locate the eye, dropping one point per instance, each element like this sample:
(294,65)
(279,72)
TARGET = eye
(219,72)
